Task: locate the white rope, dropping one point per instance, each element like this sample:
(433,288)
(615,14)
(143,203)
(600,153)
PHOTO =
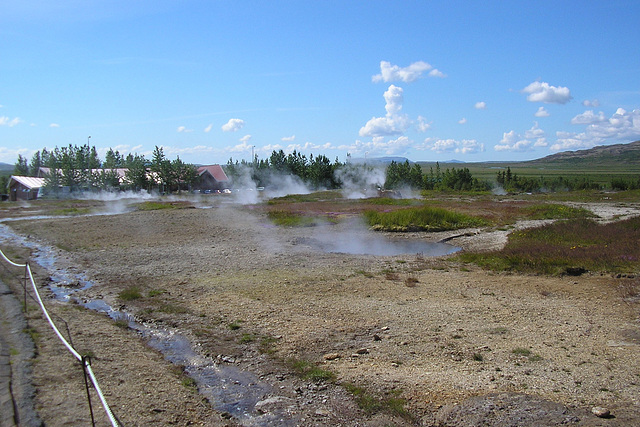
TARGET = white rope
(11,262)
(75,354)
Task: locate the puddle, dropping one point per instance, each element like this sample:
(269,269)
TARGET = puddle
(354,238)
(379,245)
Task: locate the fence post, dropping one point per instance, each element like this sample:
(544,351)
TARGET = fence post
(26,278)
(86,360)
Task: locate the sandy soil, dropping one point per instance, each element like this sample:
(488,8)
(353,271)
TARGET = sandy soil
(460,345)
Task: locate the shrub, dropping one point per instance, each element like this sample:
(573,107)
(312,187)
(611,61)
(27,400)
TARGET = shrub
(421,219)
(557,211)
(130,294)
(567,247)
(309,371)
(289,219)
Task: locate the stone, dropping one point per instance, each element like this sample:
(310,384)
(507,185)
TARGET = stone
(331,356)
(600,412)
(362,351)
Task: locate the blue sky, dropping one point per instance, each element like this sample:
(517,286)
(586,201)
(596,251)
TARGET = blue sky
(211,80)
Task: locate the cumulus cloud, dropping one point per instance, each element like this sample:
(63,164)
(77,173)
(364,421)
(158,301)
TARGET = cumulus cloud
(532,138)
(6,121)
(423,125)
(393,123)
(233,125)
(208,128)
(465,146)
(183,129)
(480,105)
(54,125)
(245,138)
(437,73)
(462,121)
(378,146)
(394,73)
(588,117)
(288,138)
(544,92)
(622,126)
(542,112)
(591,103)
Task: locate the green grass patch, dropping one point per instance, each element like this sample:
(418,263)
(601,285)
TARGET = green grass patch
(130,294)
(521,351)
(567,247)
(310,371)
(155,292)
(267,345)
(72,211)
(371,404)
(154,206)
(247,338)
(235,325)
(556,211)
(289,219)
(421,219)
(318,196)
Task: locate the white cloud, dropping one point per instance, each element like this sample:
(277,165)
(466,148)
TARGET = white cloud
(394,73)
(378,146)
(437,73)
(542,112)
(465,146)
(233,125)
(588,117)
(591,103)
(208,128)
(243,147)
(622,126)
(543,92)
(245,138)
(393,123)
(6,121)
(423,125)
(462,121)
(512,141)
(54,125)
(288,138)
(183,129)
(480,105)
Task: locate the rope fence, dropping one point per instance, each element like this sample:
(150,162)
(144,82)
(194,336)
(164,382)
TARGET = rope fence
(85,361)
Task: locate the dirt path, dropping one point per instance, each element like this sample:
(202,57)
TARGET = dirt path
(261,299)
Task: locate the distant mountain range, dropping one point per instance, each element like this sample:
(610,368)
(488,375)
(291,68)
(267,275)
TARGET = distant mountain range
(602,155)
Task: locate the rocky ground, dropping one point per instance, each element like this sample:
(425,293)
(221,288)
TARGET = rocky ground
(458,345)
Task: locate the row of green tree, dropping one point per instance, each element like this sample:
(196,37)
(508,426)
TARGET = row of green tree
(514,183)
(401,175)
(80,168)
(316,172)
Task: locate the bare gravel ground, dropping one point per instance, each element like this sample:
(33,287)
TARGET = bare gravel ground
(461,346)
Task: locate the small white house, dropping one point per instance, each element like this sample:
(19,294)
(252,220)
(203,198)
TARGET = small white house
(24,187)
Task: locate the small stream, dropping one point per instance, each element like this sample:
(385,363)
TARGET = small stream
(228,388)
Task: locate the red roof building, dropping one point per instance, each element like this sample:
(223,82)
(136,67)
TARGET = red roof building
(212,177)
